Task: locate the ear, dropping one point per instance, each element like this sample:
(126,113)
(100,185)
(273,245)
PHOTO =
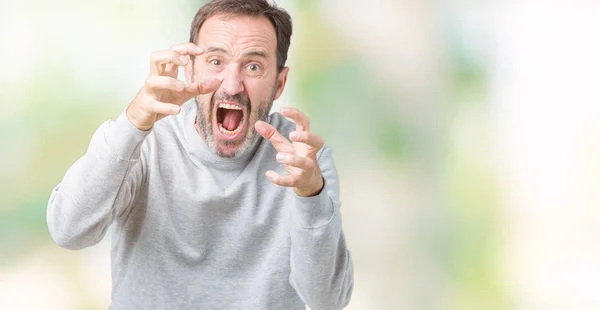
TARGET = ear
(189,71)
(281,80)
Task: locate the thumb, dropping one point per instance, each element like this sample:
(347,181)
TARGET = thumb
(264,129)
(270,133)
(204,87)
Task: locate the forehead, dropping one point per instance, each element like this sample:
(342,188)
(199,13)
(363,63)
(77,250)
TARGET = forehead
(237,33)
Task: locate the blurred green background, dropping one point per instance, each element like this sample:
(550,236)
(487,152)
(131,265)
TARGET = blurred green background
(466,135)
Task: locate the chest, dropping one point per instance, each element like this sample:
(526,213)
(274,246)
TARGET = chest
(190,215)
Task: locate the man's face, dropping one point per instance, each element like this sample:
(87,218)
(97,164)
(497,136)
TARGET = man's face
(243,52)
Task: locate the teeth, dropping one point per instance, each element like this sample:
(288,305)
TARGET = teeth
(229,106)
(228,132)
(223,129)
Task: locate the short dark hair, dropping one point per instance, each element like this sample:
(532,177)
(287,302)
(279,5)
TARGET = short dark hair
(279,18)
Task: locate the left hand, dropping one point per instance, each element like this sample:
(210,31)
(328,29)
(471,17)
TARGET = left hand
(299,157)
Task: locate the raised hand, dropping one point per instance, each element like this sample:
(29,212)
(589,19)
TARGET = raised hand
(299,156)
(163,93)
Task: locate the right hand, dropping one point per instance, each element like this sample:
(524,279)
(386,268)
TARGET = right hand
(163,94)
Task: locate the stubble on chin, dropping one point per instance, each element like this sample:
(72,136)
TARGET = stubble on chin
(232,149)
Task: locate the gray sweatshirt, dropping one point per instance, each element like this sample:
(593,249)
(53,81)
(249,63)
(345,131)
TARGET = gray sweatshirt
(193,230)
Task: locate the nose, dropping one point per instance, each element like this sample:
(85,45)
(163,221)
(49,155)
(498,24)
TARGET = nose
(232,80)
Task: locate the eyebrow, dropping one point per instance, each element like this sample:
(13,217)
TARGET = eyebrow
(216,49)
(258,53)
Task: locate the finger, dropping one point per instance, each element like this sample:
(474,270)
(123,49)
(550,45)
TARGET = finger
(302,121)
(171,70)
(154,83)
(158,107)
(307,137)
(295,161)
(188,49)
(269,132)
(204,87)
(278,179)
(158,60)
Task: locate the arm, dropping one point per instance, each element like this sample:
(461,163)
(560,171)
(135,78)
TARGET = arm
(101,185)
(321,266)
(98,187)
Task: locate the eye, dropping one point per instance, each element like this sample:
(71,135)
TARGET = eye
(215,62)
(253,67)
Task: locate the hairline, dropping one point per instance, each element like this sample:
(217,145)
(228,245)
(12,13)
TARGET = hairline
(228,16)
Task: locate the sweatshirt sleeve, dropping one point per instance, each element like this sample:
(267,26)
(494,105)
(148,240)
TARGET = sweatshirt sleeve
(98,187)
(321,266)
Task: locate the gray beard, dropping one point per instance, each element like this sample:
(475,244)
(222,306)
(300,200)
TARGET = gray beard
(205,123)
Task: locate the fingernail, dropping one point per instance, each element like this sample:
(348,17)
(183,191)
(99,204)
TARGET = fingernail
(184,59)
(180,86)
(281,156)
(175,109)
(284,110)
(294,135)
(269,174)
(199,49)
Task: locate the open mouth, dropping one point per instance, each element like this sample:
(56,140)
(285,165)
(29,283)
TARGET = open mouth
(230,119)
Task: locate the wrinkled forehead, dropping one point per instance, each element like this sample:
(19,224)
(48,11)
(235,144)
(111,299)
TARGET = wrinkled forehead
(236,34)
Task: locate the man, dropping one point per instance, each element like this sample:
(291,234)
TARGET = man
(213,206)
